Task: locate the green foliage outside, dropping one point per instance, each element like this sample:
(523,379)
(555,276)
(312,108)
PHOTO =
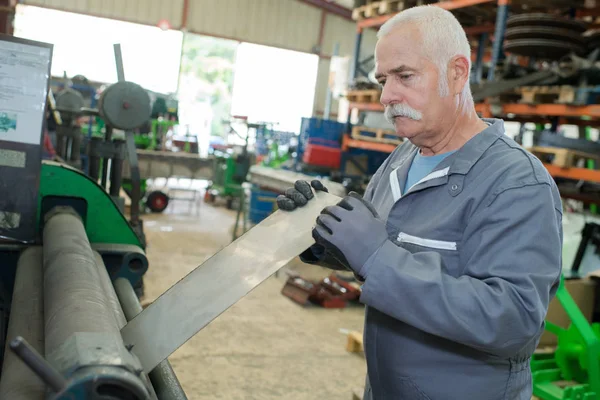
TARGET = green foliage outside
(209,63)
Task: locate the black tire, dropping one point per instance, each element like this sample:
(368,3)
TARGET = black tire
(157,201)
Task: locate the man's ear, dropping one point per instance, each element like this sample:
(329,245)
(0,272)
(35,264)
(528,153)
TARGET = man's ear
(458,74)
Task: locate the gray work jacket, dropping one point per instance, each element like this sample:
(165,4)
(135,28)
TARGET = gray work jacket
(456,298)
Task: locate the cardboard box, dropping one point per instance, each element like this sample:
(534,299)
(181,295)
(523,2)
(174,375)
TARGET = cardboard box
(583,292)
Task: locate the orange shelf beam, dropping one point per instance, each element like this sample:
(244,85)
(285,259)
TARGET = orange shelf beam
(348,142)
(448,5)
(549,110)
(368,106)
(589,175)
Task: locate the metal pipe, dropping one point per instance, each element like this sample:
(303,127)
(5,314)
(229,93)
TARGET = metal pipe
(116,170)
(32,358)
(163,377)
(119,62)
(480,54)
(109,289)
(356,55)
(18,382)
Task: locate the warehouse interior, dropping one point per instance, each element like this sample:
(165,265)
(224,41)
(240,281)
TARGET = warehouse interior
(144,143)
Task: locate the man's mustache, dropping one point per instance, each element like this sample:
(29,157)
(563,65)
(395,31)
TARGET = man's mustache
(401,110)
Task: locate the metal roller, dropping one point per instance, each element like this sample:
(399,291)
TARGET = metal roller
(69,101)
(82,339)
(163,377)
(109,289)
(26,320)
(125,105)
(74,298)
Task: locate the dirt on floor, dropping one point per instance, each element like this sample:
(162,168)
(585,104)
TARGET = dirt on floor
(265,346)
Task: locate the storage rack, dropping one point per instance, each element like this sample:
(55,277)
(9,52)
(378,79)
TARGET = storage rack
(582,115)
(482,30)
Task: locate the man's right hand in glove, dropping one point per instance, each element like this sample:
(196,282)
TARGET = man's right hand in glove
(299,195)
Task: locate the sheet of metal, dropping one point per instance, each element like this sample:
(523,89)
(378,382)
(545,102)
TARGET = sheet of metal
(222,280)
(280,180)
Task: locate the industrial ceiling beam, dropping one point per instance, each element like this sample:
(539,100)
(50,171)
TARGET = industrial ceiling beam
(330,7)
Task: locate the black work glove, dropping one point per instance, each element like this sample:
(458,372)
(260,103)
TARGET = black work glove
(352,231)
(299,195)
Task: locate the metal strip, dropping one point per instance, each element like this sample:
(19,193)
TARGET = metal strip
(213,287)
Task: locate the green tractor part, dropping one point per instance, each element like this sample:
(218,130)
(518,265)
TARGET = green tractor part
(156,201)
(229,174)
(154,139)
(572,372)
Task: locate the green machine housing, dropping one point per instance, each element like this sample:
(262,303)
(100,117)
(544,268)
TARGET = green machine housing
(107,229)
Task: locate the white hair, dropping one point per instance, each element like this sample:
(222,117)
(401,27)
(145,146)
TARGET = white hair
(443,38)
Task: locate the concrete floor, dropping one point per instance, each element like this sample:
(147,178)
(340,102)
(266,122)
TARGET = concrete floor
(265,346)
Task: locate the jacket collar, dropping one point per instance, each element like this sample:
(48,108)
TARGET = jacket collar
(464,158)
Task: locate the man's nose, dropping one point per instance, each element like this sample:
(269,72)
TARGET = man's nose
(390,94)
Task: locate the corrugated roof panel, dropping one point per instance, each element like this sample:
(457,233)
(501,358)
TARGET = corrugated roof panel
(282,23)
(141,11)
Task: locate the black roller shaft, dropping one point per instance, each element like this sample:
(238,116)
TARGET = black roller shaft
(18,381)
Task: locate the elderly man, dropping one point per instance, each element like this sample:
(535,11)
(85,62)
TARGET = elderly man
(458,236)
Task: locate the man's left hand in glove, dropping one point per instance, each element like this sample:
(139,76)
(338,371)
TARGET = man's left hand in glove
(352,231)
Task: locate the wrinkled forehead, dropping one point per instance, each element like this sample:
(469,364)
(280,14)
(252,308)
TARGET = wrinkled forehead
(403,45)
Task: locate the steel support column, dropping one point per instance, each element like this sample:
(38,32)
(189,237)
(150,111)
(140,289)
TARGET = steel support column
(356,58)
(478,67)
(501,17)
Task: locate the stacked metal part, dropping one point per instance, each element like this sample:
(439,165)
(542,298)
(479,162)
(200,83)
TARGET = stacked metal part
(544,36)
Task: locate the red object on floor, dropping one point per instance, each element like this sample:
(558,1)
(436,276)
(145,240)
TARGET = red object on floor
(323,156)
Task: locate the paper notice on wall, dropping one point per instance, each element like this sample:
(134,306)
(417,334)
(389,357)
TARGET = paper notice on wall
(24,74)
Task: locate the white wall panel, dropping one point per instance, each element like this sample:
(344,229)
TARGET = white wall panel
(141,11)
(341,31)
(288,24)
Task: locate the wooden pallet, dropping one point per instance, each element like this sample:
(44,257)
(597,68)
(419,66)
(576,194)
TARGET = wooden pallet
(564,94)
(564,158)
(355,342)
(383,7)
(363,96)
(375,135)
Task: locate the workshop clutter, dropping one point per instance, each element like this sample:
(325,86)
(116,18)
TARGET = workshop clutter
(330,292)
(262,204)
(320,142)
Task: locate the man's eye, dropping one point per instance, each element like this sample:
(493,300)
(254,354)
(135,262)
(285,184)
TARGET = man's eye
(406,76)
(382,83)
